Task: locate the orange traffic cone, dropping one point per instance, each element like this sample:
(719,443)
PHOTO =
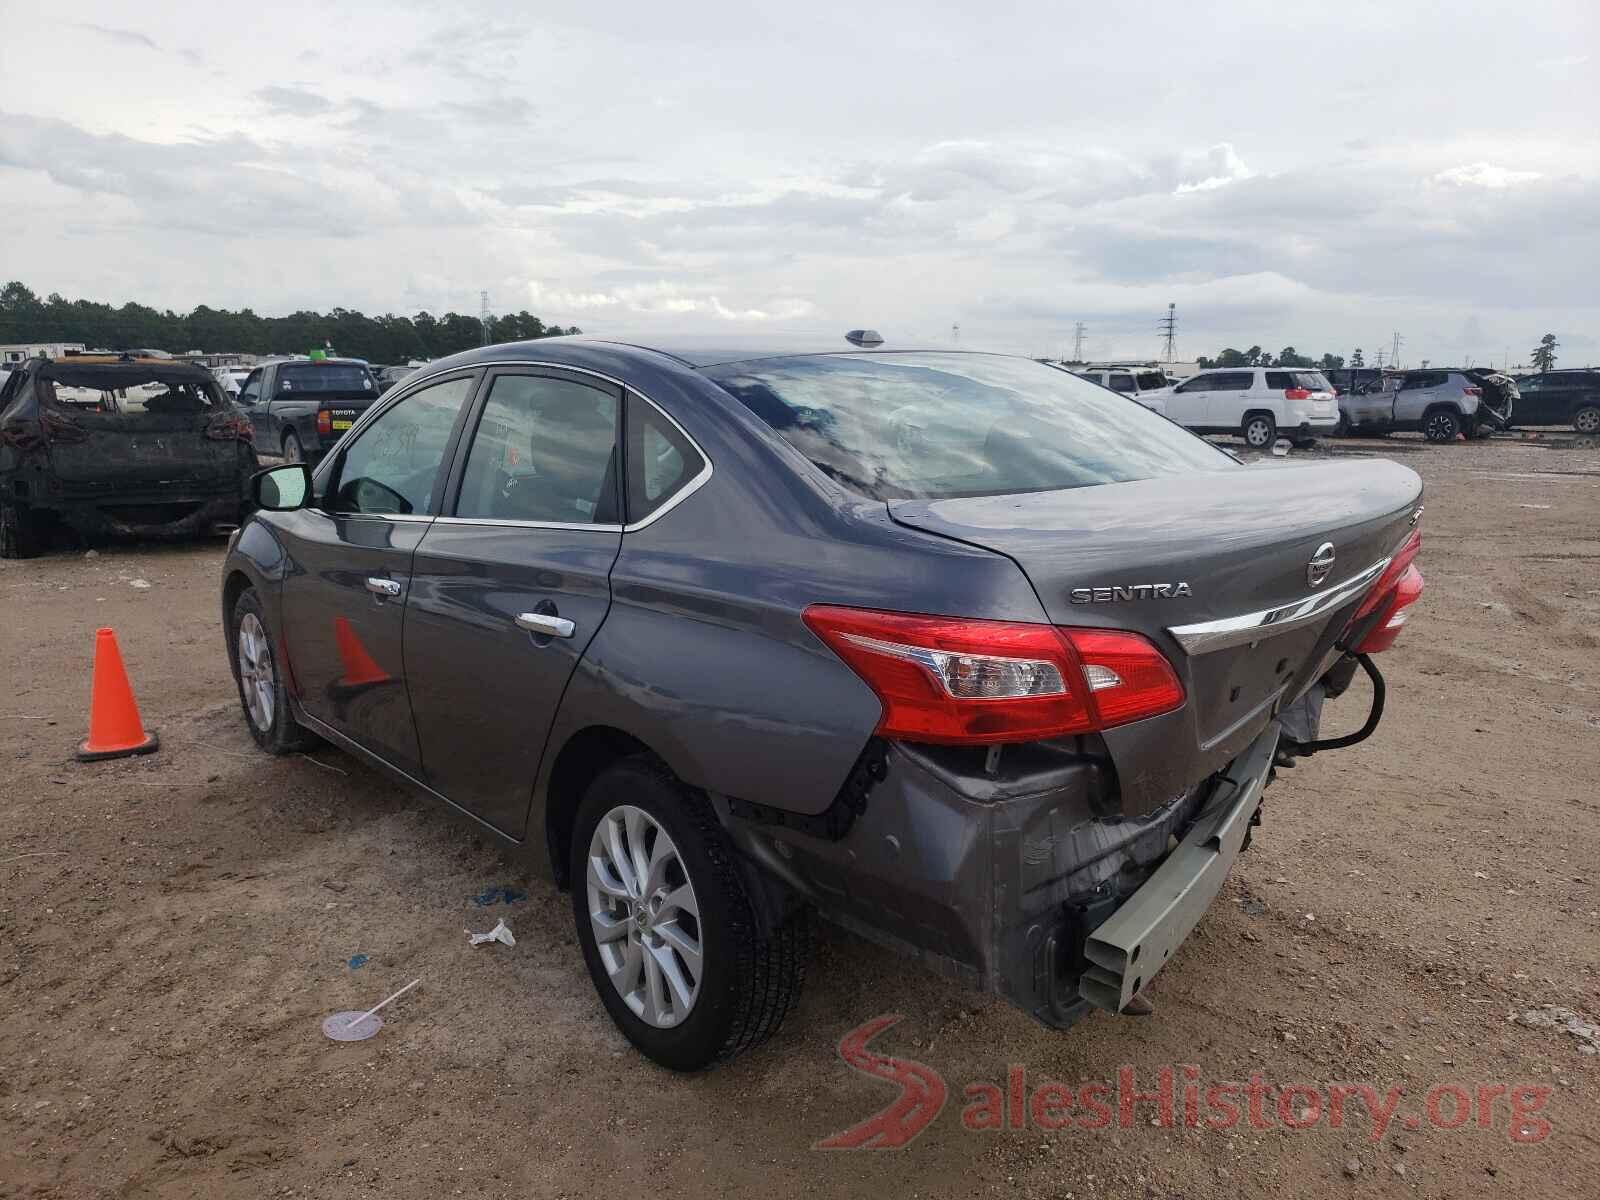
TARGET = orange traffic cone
(359,668)
(114,727)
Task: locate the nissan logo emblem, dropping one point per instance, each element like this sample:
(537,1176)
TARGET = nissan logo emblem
(1321,563)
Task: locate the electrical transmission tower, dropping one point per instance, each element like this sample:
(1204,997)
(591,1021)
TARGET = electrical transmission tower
(1394,354)
(1077,343)
(1169,332)
(955,332)
(483,315)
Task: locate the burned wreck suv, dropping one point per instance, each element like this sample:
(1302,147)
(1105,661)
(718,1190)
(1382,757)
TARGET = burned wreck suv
(956,649)
(117,444)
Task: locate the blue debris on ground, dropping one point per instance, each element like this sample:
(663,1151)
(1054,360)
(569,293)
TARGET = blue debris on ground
(499,894)
(357,961)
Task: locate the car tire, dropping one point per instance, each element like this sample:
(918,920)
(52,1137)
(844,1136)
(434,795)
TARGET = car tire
(293,451)
(19,532)
(644,966)
(1259,430)
(262,694)
(1587,419)
(1441,426)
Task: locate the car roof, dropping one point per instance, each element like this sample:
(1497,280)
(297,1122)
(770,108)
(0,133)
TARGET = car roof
(708,350)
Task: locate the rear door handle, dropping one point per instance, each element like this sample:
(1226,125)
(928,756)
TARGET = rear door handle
(383,587)
(545,624)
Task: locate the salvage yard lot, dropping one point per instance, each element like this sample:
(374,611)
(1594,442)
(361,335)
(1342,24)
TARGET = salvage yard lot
(174,928)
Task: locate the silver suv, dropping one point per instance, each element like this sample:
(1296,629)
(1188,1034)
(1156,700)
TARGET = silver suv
(1442,404)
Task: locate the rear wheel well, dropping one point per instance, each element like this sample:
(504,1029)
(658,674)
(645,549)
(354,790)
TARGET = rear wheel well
(585,755)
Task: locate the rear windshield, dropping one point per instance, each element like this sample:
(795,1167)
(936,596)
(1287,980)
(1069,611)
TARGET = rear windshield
(325,377)
(937,426)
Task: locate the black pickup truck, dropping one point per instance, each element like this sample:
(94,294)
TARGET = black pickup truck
(300,407)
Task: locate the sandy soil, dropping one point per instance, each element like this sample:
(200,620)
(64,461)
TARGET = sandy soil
(173,929)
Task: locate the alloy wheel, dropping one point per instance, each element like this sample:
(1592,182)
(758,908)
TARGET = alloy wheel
(1441,428)
(258,680)
(1256,433)
(1587,420)
(645,916)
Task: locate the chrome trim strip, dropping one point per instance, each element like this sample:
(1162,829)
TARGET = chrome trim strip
(580,526)
(1206,636)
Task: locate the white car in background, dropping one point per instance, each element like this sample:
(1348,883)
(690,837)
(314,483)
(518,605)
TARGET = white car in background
(230,379)
(1259,404)
(1146,385)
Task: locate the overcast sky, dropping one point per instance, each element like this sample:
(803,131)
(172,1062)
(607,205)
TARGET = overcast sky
(1316,175)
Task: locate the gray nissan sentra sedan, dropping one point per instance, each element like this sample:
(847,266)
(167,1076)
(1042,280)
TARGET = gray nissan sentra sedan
(967,654)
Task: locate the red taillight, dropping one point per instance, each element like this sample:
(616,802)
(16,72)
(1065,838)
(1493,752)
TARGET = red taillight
(1393,612)
(1297,393)
(1473,391)
(965,682)
(1402,559)
(324,422)
(231,427)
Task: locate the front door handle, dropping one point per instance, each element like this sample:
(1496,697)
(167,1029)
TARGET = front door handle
(545,624)
(383,587)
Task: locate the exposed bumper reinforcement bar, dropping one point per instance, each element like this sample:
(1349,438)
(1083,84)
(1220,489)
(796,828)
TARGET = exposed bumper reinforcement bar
(1137,940)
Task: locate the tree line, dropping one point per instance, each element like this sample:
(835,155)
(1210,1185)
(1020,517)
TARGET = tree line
(380,339)
(1543,356)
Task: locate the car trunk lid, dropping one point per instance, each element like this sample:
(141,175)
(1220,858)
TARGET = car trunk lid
(1190,561)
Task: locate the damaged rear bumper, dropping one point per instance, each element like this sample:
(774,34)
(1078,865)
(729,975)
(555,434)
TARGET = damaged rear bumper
(1036,888)
(157,515)
(1138,939)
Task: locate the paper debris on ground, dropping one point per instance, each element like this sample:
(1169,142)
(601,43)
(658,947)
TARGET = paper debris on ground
(500,933)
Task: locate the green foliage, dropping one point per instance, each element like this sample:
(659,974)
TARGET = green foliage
(386,339)
(1544,354)
(1331,362)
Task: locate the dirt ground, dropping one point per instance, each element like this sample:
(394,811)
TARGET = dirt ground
(173,929)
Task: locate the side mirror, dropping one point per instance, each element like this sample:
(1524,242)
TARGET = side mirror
(282,489)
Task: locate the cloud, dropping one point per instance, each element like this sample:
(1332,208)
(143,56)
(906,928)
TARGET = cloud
(292,101)
(1485,175)
(127,37)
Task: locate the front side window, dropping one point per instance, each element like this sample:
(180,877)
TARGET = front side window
(394,466)
(938,425)
(544,451)
(1230,381)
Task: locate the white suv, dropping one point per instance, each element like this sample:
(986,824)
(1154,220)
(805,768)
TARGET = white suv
(1260,404)
(1147,385)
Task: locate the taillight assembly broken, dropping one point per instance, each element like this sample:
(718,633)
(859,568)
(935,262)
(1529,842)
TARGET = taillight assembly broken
(969,682)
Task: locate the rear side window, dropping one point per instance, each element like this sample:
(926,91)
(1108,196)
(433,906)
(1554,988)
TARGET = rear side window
(1120,382)
(1150,380)
(661,460)
(940,425)
(545,451)
(1280,379)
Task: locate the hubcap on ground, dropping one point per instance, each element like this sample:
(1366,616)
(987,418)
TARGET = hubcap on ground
(645,917)
(256,678)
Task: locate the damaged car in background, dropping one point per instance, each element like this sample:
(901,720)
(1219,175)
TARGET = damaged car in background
(1440,404)
(118,444)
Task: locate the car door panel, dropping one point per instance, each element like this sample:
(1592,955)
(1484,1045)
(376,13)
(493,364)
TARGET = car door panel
(345,587)
(1186,404)
(344,608)
(509,588)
